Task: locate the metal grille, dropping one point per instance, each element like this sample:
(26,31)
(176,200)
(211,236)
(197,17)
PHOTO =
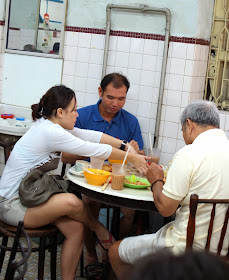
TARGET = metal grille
(217,80)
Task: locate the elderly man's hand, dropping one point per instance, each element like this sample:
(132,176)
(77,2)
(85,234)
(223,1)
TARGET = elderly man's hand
(134,144)
(154,172)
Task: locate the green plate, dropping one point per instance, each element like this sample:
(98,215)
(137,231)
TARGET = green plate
(143,180)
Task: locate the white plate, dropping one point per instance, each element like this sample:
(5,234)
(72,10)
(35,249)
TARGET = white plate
(73,172)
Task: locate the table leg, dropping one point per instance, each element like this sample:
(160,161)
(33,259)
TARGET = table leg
(142,221)
(115,222)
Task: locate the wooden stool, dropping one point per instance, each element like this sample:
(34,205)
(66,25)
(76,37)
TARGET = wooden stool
(43,234)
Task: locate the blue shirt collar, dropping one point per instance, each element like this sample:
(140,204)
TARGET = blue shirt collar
(98,118)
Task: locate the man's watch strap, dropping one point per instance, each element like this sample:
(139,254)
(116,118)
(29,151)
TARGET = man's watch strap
(123,145)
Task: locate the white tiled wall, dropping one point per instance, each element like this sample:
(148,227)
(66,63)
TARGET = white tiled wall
(140,60)
(19,38)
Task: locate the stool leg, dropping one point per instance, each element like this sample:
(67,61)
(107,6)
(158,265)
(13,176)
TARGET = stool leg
(41,260)
(115,222)
(82,265)
(3,251)
(53,257)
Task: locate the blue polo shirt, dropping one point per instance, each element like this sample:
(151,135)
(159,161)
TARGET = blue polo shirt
(124,125)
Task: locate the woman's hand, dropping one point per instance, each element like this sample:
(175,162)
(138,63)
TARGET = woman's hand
(140,163)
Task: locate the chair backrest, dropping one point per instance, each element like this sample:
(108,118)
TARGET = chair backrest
(194,201)
(18,265)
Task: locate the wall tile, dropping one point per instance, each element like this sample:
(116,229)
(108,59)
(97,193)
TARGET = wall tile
(97,41)
(180,133)
(92,86)
(155,92)
(80,96)
(170,130)
(159,63)
(152,124)
(96,56)
(94,71)
(131,106)
(81,69)
(121,59)
(184,99)
(176,82)
(84,40)
(147,78)
(123,44)
(69,68)
(151,47)
(71,39)
(164,98)
(1,32)
(68,81)
(165,158)
(157,80)
(180,145)
(160,49)
(135,61)
(174,98)
(205,53)
(190,51)
(149,62)
(177,66)
(153,111)
(169,145)
(80,84)
(143,109)
(134,76)
(121,70)
(111,58)
(179,50)
(90,99)
(146,94)
(187,83)
(113,43)
(172,114)
(109,69)
(189,68)
(70,53)
(161,128)
(133,92)
(136,45)
(144,124)
(83,54)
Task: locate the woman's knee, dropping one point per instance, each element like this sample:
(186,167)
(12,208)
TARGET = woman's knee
(72,202)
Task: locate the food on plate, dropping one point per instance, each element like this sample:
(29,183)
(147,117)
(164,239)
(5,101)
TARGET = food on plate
(135,181)
(107,167)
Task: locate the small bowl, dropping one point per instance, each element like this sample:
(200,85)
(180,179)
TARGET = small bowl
(116,161)
(96,179)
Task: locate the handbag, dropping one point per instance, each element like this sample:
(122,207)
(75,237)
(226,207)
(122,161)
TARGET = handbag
(37,187)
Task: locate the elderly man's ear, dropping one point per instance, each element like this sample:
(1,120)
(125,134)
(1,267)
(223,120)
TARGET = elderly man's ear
(100,91)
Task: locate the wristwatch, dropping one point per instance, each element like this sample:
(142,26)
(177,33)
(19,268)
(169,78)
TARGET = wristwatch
(123,145)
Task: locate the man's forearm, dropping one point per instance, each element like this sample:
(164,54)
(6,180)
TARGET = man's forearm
(70,158)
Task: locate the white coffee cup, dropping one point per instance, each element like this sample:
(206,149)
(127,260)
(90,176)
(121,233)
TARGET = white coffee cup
(96,163)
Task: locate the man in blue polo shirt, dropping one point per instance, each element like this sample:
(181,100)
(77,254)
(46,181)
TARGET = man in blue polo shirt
(108,116)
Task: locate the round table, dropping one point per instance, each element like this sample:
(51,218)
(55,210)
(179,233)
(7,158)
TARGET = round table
(137,199)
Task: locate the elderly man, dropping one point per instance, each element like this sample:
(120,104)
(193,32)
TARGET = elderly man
(108,116)
(200,167)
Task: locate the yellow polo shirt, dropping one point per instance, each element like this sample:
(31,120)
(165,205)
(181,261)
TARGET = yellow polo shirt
(201,168)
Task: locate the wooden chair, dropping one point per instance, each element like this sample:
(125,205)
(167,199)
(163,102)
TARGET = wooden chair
(21,265)
(194,201)
(47,236)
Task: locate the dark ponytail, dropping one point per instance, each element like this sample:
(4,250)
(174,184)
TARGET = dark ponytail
(56,97)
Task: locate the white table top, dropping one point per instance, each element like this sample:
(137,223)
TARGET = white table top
(136,194)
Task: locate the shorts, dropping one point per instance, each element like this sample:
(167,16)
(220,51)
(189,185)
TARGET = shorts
(133,248)
(11,210)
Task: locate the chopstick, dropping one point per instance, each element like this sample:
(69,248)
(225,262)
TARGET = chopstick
(106,183)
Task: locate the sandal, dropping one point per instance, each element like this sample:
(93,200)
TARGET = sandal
(95,271)
(108,241)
